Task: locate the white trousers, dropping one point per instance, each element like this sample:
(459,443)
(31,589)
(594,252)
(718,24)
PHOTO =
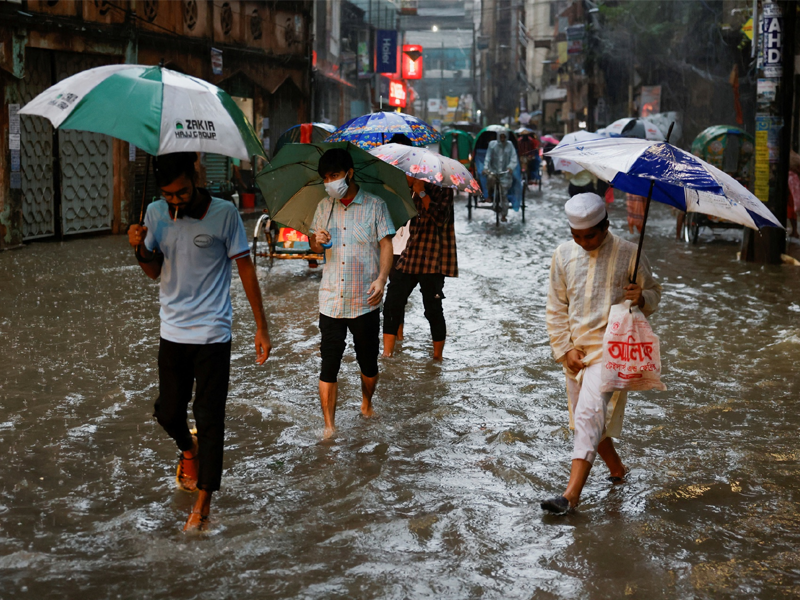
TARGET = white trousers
(593,415)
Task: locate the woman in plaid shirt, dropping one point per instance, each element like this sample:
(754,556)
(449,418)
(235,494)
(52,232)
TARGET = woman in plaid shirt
(429,257)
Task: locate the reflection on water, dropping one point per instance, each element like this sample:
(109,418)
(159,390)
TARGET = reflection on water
(439,496)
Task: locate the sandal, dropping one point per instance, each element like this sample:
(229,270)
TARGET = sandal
(616,480)
(196,522)
(188,472)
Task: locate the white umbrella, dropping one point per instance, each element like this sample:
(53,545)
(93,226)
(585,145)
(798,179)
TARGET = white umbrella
(638,128)
(563,164)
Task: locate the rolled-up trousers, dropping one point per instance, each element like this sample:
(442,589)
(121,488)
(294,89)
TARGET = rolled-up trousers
(400,287)
(595,415)
(179,367)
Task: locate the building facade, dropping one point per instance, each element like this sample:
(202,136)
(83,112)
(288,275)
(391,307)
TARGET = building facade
(61,183)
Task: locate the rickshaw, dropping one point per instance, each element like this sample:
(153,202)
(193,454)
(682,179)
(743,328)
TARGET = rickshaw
(457,144)
(282,243)
(731,150)
(305,133)
(516,195)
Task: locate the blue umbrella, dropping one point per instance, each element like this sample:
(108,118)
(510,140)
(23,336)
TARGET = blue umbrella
(668,175)
(376,129)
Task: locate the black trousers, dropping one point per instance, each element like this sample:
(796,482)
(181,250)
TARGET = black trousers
(179,366)
(400,287)
(366,331)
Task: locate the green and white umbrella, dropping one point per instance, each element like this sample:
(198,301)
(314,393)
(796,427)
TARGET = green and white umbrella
(159,110)
(293,189)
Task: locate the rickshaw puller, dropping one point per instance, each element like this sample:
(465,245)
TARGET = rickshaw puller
(501,160)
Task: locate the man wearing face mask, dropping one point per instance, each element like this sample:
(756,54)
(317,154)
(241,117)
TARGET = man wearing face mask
(190,240)
(355,231)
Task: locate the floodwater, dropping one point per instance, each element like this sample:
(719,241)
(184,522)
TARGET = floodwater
(436,498)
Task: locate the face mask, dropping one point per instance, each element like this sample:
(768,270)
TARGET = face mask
(337,189)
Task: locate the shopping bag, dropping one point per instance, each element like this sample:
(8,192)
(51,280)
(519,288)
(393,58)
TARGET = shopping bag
(631,354)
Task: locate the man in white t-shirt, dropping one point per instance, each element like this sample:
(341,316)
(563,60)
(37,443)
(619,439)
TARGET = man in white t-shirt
(190,240)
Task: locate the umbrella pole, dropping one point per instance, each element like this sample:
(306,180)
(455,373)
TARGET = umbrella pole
(646,212)
(641,233)
(144,191)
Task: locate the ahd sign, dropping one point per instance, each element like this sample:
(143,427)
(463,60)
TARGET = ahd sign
(772,41)
(386,51)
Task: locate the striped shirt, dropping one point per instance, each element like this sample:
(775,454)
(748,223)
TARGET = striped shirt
(353,262)
(583,286)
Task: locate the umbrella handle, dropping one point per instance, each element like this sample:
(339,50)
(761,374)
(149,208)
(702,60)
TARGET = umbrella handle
(646,212)
(144,191)
(641,233)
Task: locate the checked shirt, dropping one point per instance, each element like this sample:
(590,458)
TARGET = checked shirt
(353,262)
(431,244)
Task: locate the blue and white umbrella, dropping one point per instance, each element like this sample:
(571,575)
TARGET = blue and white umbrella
(678,178)
(563,164)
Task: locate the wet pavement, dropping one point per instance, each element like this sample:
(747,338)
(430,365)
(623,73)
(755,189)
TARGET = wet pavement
(436,498)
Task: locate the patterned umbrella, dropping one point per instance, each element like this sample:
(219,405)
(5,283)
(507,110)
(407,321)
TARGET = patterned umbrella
(375,129)
(428,166)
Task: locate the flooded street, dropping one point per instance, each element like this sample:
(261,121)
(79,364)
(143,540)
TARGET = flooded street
(439,496)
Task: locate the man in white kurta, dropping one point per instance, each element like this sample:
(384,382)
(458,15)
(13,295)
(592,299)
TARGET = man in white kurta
(587,276)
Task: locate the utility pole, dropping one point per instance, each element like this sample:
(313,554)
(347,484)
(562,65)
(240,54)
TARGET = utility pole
(773,127)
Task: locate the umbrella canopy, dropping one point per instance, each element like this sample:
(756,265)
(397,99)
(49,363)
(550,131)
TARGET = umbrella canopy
(292,188)
(679,179)
(549,139)
(428,166)
(523,131)
(563,164)
(159,110)
(375,129)
(305,133)
(636,128)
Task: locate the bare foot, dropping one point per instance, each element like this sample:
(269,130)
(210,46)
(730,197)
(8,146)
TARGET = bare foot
(366,409)
(328,432)
(438,350)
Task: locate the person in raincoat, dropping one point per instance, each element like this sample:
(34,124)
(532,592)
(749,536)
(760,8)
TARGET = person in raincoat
(587,276)
(501,160)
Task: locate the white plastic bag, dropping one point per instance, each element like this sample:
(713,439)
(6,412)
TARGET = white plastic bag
(631,356)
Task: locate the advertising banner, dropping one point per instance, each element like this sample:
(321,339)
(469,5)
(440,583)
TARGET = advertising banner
(412,61)
(397,93)
(772,41)
(386,51)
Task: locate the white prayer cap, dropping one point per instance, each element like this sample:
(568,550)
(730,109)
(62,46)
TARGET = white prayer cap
(585,210)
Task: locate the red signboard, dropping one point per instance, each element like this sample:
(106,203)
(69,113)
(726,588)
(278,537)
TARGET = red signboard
(397,93)
(412,61)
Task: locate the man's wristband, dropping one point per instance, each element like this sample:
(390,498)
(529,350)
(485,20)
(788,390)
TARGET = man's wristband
(142,259)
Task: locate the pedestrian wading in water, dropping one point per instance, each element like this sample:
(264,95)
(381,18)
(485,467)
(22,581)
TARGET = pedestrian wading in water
(190,240)
(355,231)
(427,257)
(587,276)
